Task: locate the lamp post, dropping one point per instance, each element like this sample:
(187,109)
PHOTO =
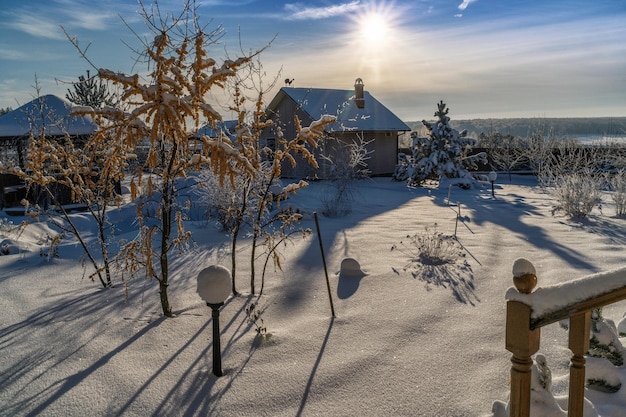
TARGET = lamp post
(492,178)
(214,284)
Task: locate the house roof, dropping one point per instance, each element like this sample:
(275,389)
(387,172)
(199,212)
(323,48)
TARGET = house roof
(226,126)
(50,112)
(340,103)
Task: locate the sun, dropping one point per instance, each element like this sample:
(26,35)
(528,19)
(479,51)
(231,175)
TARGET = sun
(377,36)
(374,28)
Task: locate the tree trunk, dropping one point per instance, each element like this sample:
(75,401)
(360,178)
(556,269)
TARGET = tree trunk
(103,245)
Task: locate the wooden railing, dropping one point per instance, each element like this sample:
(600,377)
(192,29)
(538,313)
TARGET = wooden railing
(528,311)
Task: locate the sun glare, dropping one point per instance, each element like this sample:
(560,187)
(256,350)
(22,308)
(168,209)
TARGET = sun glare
(376,37)
(374,28)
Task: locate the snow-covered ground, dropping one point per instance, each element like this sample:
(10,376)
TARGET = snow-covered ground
(408,339)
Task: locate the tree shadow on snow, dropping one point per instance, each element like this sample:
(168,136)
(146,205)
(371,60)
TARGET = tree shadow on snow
(457,277)
(63,386)
(332,229)
(194,394)
(513,212)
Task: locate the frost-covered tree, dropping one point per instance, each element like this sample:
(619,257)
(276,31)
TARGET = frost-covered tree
(506,152)
(162,111)
(57,166)
(444,153)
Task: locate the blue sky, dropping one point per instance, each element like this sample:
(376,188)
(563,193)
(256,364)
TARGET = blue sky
(484,58)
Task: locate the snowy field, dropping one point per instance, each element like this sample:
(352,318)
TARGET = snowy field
(408,339)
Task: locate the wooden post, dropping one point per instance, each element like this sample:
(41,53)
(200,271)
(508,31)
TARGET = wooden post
(523,343)
(319,238)
(579,345)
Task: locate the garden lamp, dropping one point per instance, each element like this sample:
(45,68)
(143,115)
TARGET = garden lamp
(214,284)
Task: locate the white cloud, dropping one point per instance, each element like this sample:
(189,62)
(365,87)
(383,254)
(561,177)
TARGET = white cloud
(37,26)
(299,11)
(465,3)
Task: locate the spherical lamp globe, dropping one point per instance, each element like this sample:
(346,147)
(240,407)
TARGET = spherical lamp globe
(214,284)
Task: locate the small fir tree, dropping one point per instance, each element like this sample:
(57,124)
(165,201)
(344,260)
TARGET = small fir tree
(92,92)
(443,154)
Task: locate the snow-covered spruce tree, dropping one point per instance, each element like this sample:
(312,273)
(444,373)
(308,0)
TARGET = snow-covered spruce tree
(162,111)
(443,154)
(604,344)
(91,91)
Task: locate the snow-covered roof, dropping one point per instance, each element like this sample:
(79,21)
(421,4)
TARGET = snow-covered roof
(227,126)
(51,112)
(341,103)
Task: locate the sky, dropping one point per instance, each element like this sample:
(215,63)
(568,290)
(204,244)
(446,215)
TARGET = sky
(484,58)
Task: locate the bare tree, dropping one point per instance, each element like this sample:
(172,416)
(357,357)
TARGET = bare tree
(506,152)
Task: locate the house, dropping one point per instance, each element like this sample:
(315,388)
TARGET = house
(49,115)
(228,127)
(359,115)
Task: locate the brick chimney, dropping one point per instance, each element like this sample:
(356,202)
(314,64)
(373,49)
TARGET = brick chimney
(358,93)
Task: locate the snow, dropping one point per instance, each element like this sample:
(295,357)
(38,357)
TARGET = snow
(408,339)
(317,101)
(558,296)
(522,267)
(51,112)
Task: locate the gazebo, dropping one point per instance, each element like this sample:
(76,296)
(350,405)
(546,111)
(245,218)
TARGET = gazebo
(47,114)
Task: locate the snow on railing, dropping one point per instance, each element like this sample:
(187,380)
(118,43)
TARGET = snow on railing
(528,311)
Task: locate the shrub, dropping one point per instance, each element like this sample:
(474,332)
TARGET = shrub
(577,194)
(431,247)
(618,188)
(349,165)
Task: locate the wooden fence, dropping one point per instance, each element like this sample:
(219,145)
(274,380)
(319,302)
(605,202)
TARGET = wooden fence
(528,311)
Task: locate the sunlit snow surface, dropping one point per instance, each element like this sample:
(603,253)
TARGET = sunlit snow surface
(409,339)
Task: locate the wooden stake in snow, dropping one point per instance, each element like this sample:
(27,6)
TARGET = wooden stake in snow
(319,238)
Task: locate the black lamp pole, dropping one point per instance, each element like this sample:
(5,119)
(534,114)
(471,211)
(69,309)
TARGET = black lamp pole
(217,352)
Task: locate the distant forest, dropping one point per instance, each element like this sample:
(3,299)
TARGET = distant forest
(566,127)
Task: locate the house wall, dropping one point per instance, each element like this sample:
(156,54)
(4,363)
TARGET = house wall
(283,116)
(382,149)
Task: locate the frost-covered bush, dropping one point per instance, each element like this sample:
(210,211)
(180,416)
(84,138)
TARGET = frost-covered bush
(604,342)
(227,204)
(577,193)
(348,165)
(618,192)
(444,153)
(543,401)
(431,247)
